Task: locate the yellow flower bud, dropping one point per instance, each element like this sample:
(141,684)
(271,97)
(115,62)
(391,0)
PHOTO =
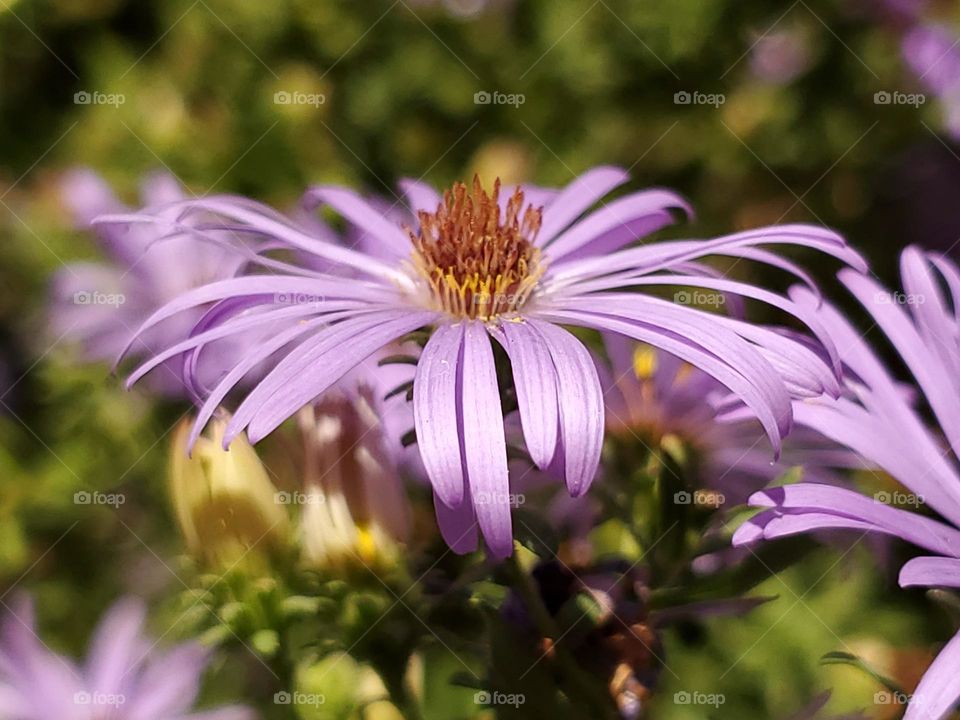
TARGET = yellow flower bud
(224,501)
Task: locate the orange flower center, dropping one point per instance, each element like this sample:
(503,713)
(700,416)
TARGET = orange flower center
(478,262)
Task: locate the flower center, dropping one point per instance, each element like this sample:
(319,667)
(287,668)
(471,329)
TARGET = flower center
(477,263)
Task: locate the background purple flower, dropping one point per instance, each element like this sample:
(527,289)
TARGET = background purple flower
(99,305)
(876,419)
(123,675)
(653,395)
(933,52)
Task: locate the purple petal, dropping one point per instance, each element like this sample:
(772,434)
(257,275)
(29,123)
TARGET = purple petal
(931,572)
(912,459)
(666,255)
(699,341)
(814,498)
(934,321)
(732,287)
(770,525)
(278,316)
(420,196)
(435,414)
(316,365)
(458,525)
(262,220)
(936,381)
(536,384)
(580,401)
(647,207)
(118,648)
(169,685)
(938,691)
(576,198)
(250,360)
(321,287)
(362,214)
(484,445)
(161,188)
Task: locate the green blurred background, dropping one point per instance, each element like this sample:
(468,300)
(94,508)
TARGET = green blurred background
(796,135)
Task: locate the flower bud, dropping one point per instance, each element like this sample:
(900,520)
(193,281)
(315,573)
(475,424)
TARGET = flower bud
(224,501)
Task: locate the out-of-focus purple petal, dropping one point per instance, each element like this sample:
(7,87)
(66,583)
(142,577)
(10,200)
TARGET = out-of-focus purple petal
(87,195)
(117,648)
(435,414)
(420,196)
(169,685)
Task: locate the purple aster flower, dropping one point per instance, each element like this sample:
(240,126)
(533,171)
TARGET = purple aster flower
(513,268)
(877,420)
(99,304)
(123,677)
(654,397)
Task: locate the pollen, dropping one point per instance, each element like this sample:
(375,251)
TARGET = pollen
(479,262)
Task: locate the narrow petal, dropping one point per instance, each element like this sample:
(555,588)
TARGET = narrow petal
(580,402)
(771,525)
(362,214)
(931,572)
(320,366)
(272,315)
(577,197)
(484,445)
(169,685)
(117,648)
(813,498)
(938,691)
(458,525)
(536,383)
(620,213)
(420,196)
(701,343)
(250,360)
(435,414)
(331,288)
(938,384)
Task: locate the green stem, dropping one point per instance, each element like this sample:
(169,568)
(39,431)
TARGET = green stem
(530,594)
